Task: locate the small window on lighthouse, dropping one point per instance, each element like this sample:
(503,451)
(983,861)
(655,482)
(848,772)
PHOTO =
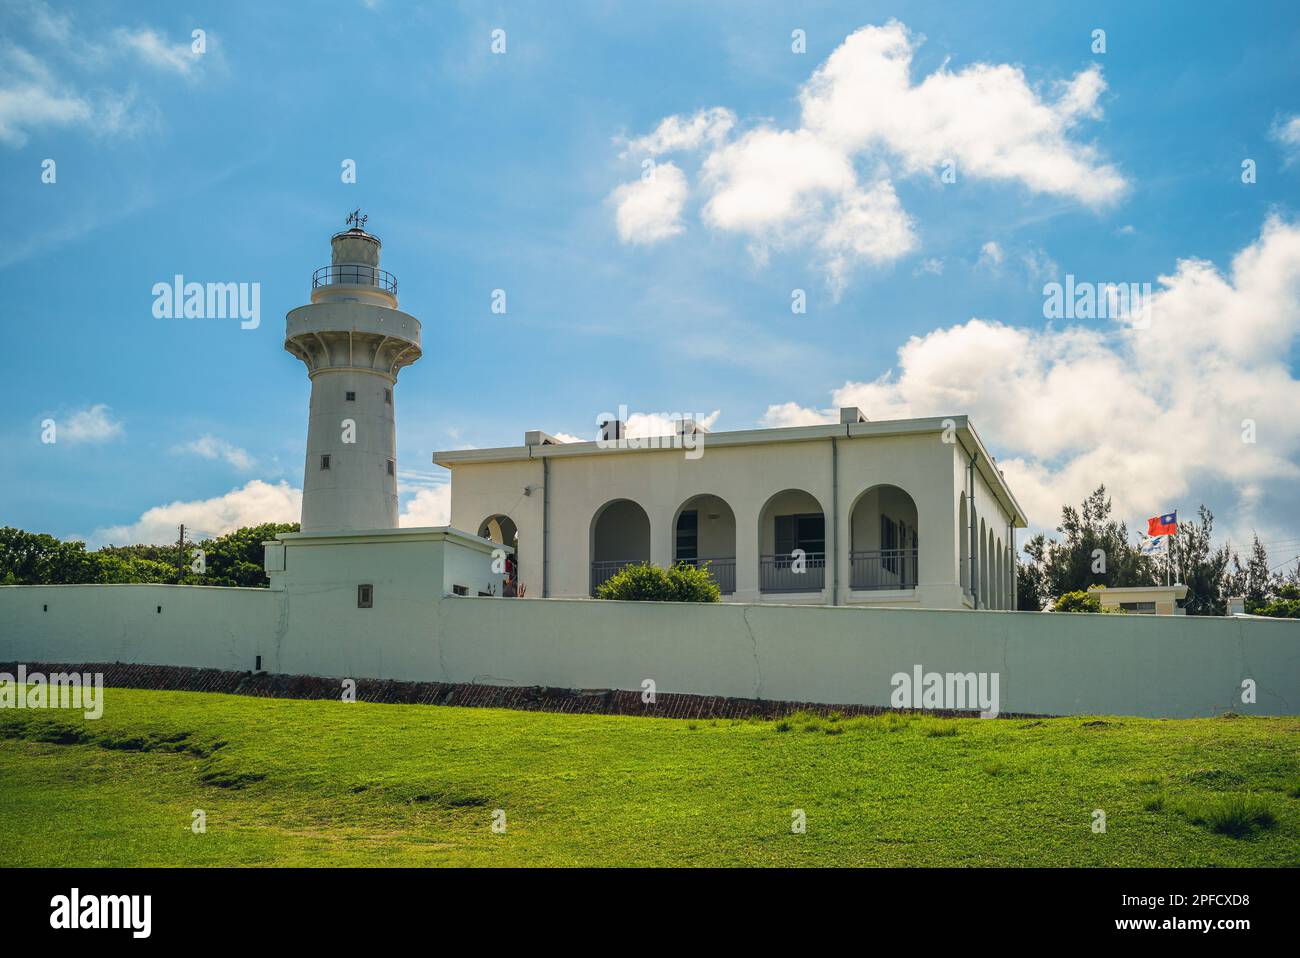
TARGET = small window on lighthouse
(392,467)
(388,396)
(325,462)
(350,396)
(365,596)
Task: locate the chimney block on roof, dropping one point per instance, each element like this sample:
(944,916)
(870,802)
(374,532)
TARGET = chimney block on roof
(689,427)
(851,414)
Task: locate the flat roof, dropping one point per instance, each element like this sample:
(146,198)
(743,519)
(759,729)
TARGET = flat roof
(1178,590)
(365,536)
(965,433)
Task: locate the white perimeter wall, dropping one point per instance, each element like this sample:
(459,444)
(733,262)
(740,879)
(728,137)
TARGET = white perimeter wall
(209,627)
(1052,663)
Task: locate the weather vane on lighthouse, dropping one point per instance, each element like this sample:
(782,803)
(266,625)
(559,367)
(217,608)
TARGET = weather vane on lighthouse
(356,219)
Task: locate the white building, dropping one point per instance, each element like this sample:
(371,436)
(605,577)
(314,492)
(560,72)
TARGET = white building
(903,513)
(1144,599)
(350,552)
(911,513)
(354,341)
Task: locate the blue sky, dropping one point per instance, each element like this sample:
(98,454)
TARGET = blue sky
(486,171)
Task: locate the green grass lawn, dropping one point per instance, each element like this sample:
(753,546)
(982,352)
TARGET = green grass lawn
(287,782)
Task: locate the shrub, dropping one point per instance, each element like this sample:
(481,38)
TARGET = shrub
(1281,608)
(1080,601)
(645,582)
(1235,814)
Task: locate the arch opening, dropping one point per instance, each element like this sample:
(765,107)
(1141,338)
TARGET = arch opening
(792,543)
(883,540)
(620,536)
(502,529)
(704,535)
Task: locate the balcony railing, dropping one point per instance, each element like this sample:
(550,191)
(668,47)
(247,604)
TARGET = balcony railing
(785,573)
(355,275)
(883,569)
(606,569)
(722,569)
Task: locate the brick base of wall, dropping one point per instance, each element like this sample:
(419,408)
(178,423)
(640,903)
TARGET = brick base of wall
(171,678)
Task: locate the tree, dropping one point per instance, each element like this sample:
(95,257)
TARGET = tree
(1094,551)
(1030,582)
(649,583)
(237,557)
(28,558)
(114,567)
(21,552)
(1255,581)
(1202,568)
(1285,604)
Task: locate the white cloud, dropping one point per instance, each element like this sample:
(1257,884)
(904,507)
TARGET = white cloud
(792,414)
(154,51)
(31,99)
(210,447)
(930,265)
(868,226)
(1039,265)
(784,188)
(253,504)
(770,178)
(431,506)
(986,117)
(649,209)
(35,96)
(828,184)
(1286,131)
(991,255)
(1157,415)
(675,133)
(93,424)
(569,437)
(641,424)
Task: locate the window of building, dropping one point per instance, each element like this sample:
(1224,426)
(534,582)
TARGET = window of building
(350,396)
(806,532)
(392,467)
(325,461)
(365,596)
(893,536)
(460,589)
(388,395)
(1142,607)
(688,536)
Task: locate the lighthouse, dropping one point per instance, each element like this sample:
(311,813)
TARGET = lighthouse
(354,341)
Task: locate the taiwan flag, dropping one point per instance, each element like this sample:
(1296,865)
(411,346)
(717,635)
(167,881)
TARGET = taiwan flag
(1163,525)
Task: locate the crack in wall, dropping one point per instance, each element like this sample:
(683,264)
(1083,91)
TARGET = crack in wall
(753,641)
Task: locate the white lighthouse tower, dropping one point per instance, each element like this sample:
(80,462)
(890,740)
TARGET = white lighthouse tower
(354,341)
